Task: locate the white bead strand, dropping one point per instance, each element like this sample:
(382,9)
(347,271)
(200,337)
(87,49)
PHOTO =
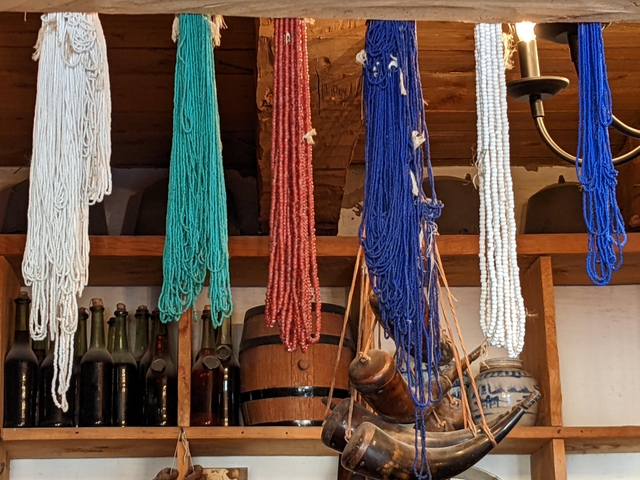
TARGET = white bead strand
(69,171)
(502,312)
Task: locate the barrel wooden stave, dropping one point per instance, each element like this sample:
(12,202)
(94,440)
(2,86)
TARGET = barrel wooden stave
(273,380)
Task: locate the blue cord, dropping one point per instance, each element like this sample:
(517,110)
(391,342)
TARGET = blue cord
(394,217)
(596,172)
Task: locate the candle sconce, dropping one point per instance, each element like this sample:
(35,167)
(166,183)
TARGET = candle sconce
(536,88)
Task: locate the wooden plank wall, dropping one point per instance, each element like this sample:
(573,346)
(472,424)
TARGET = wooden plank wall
(141,62)
(335,106)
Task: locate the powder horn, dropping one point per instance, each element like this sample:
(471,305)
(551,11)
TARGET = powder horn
(336,425)
(375,454)
(376,377)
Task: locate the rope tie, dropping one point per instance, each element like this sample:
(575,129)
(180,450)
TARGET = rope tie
(69,172)
(596,172)
(502,313)
(197,238)
(398,221)
(293,270)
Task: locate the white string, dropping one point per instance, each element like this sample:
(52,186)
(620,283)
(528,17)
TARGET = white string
(69,171)
(502,313)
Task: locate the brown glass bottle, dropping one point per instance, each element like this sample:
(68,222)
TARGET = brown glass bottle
(96,374)
(141,344)
(49,413)
(111,333)
(229,399)
(20,372)
(80,348)
(205,377)
(126,399)
(161,383)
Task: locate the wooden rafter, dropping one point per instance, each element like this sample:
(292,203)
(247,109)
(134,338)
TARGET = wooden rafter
(453,10)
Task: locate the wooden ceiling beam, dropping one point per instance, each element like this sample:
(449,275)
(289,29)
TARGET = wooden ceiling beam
(472,11)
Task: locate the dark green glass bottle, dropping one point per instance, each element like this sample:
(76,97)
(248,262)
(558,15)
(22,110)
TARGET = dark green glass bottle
(126,399)
(206,377)
(41,348)
(111,333)
(20,372)
(96,374)
(142,333)
(80,348)
(161,400)
(49,413)
(145,361)
(229,403)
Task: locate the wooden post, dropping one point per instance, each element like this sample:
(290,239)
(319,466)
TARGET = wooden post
(550,462)
(540,353)
(184,368)
(9,290)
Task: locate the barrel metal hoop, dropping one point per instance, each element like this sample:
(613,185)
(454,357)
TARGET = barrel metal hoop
(326,308)
(302,391)
(248,343)
(290,423)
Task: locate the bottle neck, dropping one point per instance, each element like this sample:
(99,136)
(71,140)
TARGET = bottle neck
(208,334)
(121,342)
(22,315)
(111,334)
(81,338)
(225,333)
(161,345)
(142,332)
(41,344)
(153,325)
(97,327)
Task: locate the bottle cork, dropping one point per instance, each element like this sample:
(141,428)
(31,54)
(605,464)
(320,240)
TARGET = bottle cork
(97,302)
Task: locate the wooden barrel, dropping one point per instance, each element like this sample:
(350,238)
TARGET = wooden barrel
(282,388)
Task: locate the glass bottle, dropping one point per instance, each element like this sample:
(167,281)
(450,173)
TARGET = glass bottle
(161,399)
(111,333)
(40,348)
(96,374)
(50,415)
(229,403)
(205,377)
(126,400)
(145,361)
(20,372)
(79,350)
(142,333)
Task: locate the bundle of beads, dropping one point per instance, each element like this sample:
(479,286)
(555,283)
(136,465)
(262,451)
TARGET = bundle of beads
(502,312)
(398,230)
(293,270)
(595,171)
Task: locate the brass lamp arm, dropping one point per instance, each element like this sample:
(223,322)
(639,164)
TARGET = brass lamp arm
(537,112)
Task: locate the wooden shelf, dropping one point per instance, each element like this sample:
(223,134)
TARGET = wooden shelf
(118,261)
(90,442)
(213,441)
